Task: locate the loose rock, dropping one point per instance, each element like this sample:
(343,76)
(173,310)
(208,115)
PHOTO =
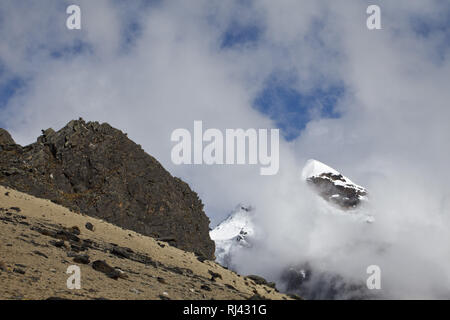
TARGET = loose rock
(75,230)
(40,254)
(214,275)
(102,266)
(90,226)
(82,258)
(19,271)
(205,287)
(258,279)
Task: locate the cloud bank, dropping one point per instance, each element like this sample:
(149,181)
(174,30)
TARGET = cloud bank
(151,67)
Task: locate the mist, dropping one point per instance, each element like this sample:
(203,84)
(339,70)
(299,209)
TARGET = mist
(171,68)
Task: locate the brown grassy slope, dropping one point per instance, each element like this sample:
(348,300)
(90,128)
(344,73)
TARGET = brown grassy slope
(154,270)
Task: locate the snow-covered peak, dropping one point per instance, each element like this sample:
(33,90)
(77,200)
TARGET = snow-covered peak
(233,234)
(332,185)
(314,168)
(237,223)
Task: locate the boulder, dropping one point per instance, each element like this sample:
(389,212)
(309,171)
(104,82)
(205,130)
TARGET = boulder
(102,266)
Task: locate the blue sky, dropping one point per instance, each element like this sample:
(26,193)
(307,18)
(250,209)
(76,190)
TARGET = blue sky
(76,48)
(148,70)
(8,88)
(10,85)
(281,98)
(437,27)
(238,35)
(290,108)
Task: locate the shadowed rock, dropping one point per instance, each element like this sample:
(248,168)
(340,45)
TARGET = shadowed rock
(258,279)
(332,185)
(90,226)
(5,138)
(95,169)
(345,197)
(82,258)
(105,268)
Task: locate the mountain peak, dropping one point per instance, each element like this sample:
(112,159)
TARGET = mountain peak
(316,168)
(233,232)
(331,185)
(5,138)
(95,169)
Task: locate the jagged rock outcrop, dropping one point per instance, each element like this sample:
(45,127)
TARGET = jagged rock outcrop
(5,138)
(332,185)
(95,169)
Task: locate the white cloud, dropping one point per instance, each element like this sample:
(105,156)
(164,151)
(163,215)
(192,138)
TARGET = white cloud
(391,138)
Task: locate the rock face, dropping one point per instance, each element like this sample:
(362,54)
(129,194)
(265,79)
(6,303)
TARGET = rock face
(5,138)
(95,169)
(44,240)
(332,185)
(234,233)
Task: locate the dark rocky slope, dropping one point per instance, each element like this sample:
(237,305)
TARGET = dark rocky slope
(5,138)
(332,185)
(40,241)
(95,169)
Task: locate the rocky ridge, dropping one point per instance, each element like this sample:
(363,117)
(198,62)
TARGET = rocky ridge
(96,169)
(332,185)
